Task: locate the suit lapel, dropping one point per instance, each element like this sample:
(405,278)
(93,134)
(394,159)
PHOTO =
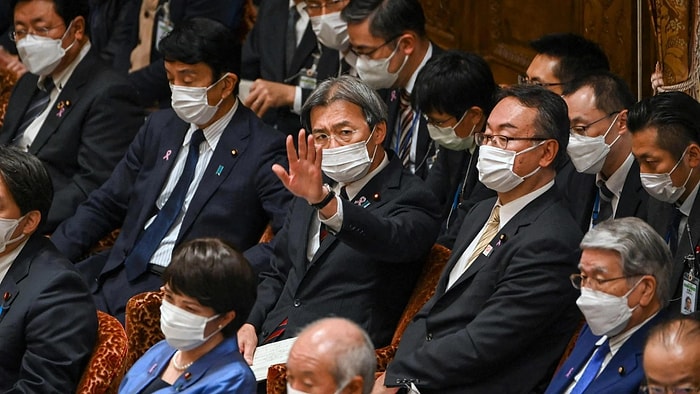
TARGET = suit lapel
(9,287)
(684,247)
(17,106)
(231,147)
(632,193)
(67,99)
(303,51)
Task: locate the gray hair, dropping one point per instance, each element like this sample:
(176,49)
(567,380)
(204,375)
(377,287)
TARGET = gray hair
(350,89)
(355,359)
(642,251)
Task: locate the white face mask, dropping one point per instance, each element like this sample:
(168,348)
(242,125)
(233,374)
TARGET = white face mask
(291,390)
(495,167)
(588,153)
(7,228)
(347,163)
(605,313)
(660,186)
(375,72)
(191,103)
(447,137)
(183,330)
(331,30)
(41,55)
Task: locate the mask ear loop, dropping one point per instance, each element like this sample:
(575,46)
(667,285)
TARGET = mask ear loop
(608,131)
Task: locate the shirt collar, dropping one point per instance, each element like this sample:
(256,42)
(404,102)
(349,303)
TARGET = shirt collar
(618,340)
(508,211)
(426,57)
(61,78)
(212,133)
(617,180)
(353,188)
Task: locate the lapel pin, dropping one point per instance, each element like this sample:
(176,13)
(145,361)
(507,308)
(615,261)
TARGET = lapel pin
(487,250)
(377,197)
(501,238)
(219,170)
(234,152)
(153,368)
(61,107)
(393,95)
(568,374)
(621,370)
(188,376)
(6,296)
(362,201)
(167,155)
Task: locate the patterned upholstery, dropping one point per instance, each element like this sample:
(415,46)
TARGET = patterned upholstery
(7,82)
(106,367)
(424,289)
(142,322)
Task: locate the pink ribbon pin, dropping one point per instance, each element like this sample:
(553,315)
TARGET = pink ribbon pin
(393,95)
(167,155)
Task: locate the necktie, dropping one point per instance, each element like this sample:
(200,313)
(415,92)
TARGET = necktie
(605,197)
(344,193)
(591,371)
(277,332)
(406,131)
(37,105)
(291,38)
(672,231)
(489,232)
(136,262)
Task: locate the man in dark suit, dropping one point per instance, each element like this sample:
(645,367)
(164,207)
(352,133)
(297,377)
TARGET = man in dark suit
(666,142)
(201,169)
(625,281)
(504,309)
(48,321)
(388,37)
(353,249)
(601,145)
(74,113)
(286,62)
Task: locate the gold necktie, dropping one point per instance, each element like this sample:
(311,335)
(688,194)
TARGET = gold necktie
(489,232)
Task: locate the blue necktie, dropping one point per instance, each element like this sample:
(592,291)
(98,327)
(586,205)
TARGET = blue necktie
(136,262)
(591,371)
(36,106)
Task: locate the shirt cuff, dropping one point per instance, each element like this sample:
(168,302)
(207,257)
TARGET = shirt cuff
(296,107)
(335,222)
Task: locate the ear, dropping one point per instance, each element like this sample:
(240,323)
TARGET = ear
(230,82)
(693,155)
(622,121)
(551,148)
(648,287)
(78,27)
(227,318)
(31,222)
(355,385)
(407,43)
(474,116)
(379,133)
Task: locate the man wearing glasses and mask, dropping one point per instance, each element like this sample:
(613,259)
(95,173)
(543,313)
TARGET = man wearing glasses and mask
(353,246)
(388,37)
(504,308)
(625,278)
(601,145)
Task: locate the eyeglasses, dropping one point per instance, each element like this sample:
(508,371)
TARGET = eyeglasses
(323,139)
(17,35)
(582,130)
(316,8)
(501,141)
(525,80)
(368,53)
(652,389)
(579,280)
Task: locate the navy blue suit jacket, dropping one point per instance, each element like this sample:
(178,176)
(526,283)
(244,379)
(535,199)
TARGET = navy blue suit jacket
(624,372)
(234,204)
(48,322)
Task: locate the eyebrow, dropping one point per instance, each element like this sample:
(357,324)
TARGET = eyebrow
(334,126)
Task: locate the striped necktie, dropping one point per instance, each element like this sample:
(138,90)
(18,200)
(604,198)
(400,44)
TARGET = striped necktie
(405,127)
(37,105)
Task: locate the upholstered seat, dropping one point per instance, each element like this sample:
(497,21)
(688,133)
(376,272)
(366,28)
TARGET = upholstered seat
(106,367)
(424,289)
(142,322)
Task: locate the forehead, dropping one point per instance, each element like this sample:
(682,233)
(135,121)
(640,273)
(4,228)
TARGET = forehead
(306,360)
(360,35)
(7,201)
(200,69)
(644,143)
(600,261)
(337,114)
(542,68)
(672,365)
(581,102)
(509,113)
(35,11)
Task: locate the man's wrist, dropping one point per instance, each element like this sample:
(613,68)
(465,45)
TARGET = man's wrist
(327,199)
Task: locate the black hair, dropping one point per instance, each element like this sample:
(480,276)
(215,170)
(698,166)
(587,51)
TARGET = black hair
(454,82)
(27,180)
(577,56)
(202,40)
(675,117)
(67,10)
(611,92)
(552,119)
(388,18)
(216,275)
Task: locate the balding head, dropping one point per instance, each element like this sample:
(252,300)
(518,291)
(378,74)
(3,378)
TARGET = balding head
(672,354)
(332,355)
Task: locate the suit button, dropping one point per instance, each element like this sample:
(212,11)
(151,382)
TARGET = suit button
(429,337)
(398,381)
(263,333)
(297,303)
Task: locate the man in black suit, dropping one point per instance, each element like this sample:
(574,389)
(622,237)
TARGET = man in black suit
(286,62)
(48,321)
(74,113)
(666,142)
(353,249)
(504,308)
(200,169)
(600,144)
(388,37)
